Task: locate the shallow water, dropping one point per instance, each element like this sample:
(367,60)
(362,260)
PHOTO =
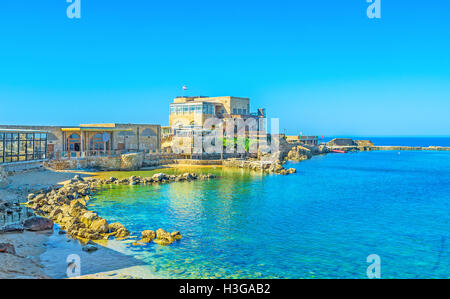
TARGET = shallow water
(322,222)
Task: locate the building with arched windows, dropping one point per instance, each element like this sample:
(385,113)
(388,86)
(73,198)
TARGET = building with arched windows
(93,139)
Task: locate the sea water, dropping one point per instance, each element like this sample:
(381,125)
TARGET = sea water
(322,222)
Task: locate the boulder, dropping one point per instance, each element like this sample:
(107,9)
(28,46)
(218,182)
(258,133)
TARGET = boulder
(158,177)
(78,178)
(118,230)
(100,226)
(148,236)
(55,213)
(176,235)
(299,153)
(114,227)
(11,227)
(78,204)
(37,223)
(87,218)
(165,238)
(90,248)
(7,248)
(292,171)
(122,234)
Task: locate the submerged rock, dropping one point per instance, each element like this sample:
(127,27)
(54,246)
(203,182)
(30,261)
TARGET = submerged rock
(7,248)
(118,230)
(164,238)
(90,248)
(148,236)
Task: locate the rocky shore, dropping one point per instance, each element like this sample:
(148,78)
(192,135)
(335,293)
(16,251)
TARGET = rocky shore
(66,205)
(272,167)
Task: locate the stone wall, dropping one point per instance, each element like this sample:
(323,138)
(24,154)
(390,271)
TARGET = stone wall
(3,177)
(145,137)
(124,162)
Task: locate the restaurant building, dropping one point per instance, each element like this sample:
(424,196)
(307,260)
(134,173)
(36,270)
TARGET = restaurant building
(86,140)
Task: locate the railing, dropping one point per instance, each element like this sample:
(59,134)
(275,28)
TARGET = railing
(149,155)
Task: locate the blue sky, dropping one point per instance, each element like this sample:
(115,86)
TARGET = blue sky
(322,67)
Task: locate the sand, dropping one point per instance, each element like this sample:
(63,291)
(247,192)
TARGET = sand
(28,245)
(44,254)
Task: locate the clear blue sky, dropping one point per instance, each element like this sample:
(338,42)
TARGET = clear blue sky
(322,67)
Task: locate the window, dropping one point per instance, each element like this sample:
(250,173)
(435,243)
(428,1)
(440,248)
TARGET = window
(1,147)
(16,147)
(239,111)
(234,111)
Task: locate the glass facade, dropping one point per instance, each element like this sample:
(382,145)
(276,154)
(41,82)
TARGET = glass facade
(22,146)
(202,108)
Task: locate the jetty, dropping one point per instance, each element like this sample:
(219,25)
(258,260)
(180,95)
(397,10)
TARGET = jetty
(348,145)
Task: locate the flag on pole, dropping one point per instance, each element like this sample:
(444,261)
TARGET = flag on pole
(185,87)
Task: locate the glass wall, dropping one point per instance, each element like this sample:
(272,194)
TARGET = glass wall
(203,108)
(21,146)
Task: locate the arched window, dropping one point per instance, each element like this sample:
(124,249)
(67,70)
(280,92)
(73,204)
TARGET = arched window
(74,143)
(97,143)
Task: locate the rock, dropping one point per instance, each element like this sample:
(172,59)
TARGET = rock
(292,170)
(87,218)
(55,213)
(131,161)
(90,248)
(78,178)
(176,235)
(78,204)
(118,230)
(162,242)
(162,234)
(7,248)
(122,234)
(148,236)
(37,223)
(165,238)
(158,177)
(100,226)
(12,227)
(114,227)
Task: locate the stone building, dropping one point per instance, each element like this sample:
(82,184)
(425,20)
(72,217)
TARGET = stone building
(194,111)
(97,139)
(188,120)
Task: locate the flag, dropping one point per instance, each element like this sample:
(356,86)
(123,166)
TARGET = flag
(185,87)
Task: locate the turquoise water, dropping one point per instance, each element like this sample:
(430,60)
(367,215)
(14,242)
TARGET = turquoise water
(322,222)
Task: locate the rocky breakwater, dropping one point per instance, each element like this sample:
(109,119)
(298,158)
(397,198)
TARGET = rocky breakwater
(66,205)
(304,152)
(266,166)
(299,153)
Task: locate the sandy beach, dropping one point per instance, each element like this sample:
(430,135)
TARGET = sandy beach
(44,254)
(29,246)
